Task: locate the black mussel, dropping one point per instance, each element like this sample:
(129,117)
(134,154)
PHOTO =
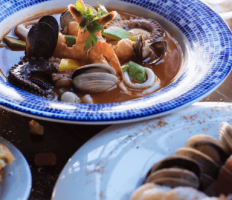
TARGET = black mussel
(42,38)
(52,22)
(149,53)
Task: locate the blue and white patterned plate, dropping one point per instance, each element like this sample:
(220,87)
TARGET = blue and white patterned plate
(203,36)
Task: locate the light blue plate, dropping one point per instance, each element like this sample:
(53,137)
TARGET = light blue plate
(112,164)
(203,36)
(16,182)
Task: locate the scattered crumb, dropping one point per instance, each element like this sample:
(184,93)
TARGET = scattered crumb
(102,195)
(162,123)
(36,128)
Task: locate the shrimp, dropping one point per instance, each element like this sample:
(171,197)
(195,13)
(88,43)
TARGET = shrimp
(99,53)
(124,49)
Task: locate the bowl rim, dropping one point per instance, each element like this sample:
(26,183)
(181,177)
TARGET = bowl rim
(56,111)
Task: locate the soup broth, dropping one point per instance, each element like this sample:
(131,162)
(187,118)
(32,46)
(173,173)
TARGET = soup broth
(166,69)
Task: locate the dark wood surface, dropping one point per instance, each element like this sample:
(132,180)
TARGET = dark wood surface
(63,140)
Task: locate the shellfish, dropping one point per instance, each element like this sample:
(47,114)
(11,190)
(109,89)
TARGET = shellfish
(42,38)
(94,78)
(183,170)
(149,53)
(40,45)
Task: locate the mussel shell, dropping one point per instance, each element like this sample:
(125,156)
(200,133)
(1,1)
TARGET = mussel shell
(41,40)
(138,47)
(177,162)
(159,48)
(51,21)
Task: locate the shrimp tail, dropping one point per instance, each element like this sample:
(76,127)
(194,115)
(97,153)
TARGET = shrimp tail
(109,53)
(106,19)
(75,13)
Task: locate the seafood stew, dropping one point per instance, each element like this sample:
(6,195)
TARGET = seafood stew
(107,68)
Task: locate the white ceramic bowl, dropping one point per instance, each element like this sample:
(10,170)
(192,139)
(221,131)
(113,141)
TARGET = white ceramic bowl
(116,161)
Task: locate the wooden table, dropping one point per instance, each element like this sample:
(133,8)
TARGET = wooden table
(63,140)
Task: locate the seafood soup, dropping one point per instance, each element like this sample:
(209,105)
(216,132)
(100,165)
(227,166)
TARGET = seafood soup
(82,54)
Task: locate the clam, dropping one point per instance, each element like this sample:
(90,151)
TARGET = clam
(175,171)
(174,177)
(149,53)
(225,136)
(42,38)
(94,78)
(206,163)
(209,146)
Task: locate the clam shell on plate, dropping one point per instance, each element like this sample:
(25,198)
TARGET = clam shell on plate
(174,167)
(209,146)
(174,177)
(206,163)
(225,136)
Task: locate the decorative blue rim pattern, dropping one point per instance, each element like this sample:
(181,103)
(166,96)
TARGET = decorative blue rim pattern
(210,40)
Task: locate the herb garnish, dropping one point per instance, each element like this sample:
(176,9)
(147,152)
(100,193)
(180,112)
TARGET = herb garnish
(89,23)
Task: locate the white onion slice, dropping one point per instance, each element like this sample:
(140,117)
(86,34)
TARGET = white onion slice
(151,78)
